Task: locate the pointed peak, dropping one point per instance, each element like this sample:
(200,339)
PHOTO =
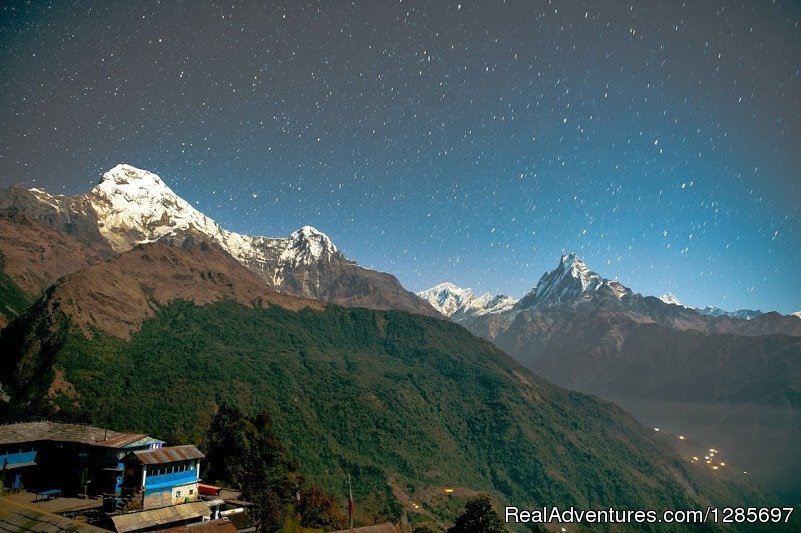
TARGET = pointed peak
(670,298)
(574,264)
(570,281)
(309,243)
(445,286)
(124,174)
(446,290)
(308,232)
(311,234)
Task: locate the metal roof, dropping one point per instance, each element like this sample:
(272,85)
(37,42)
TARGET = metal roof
(160,517)
(6,466)
(16,518)
(170,454)
(58,432)
(222,525)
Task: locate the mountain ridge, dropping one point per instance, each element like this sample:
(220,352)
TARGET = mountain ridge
(449,409)
(572,281)
(131,206)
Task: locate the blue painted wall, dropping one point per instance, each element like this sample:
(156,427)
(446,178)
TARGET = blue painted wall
(167,481)
(17,458)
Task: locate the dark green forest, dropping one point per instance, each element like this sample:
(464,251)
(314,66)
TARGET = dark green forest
(399,401)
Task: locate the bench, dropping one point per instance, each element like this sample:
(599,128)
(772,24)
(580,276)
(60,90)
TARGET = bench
(44,495)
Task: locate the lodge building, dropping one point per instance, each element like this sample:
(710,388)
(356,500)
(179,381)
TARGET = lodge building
(72,458)
(163,476)
(145,486)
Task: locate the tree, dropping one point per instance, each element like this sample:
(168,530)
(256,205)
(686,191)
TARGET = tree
(317,509)
(267,512)
(244,452)
(479,517)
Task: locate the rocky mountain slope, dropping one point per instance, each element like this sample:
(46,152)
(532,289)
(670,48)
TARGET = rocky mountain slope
(729,380)
(33,255)
(131,206)
(403,402)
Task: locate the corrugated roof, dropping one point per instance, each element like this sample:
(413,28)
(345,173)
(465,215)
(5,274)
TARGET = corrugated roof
(223,525)
(58,432)
(170,454)
(158,517)
(12,466)
(16,518)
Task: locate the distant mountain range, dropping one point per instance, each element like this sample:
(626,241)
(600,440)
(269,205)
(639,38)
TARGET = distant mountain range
(131,206)
(731,378)
(155,337)
(458,304)
(745,314)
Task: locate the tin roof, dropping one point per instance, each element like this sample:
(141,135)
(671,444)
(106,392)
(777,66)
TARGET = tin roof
(160,517)
(58,432)
(222,525)
(170,454)
(15,518)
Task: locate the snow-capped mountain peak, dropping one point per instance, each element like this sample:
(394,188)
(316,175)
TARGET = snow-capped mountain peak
(134,205)
(571,280)
(670,298)
(124,175)
(454,301)
(307,245)
(447,298)
(797,313)
(572,265)
(130,206)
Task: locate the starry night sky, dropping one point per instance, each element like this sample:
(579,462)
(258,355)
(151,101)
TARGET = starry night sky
(471,142)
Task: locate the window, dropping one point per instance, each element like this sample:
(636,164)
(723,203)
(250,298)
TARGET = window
(191,491)
(177,493)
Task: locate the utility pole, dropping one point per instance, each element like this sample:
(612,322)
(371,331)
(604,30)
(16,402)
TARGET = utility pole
(350,503)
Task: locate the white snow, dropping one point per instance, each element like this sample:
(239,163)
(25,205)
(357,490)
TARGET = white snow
(570,280)
(135,206)
(453,301)
(46,198)
(670,298)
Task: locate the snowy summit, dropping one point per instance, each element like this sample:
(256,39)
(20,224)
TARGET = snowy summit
(134,206)
(453,301)
(571,280)
(670,298)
